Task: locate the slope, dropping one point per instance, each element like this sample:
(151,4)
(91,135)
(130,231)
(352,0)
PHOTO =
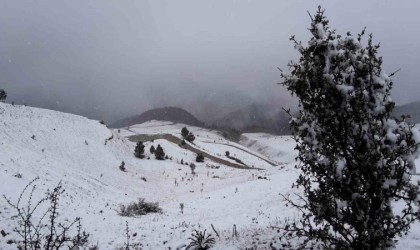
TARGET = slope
(56,147)
(412,109)
(84,155)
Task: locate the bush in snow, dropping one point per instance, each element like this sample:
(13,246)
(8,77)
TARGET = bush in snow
(3,95)
(139,150)
(199,158)
(187,135)
(45,231)
(127,244)
(199,241)
(152,149)
(192,167)
(18,175)
(122,166)
(159,153)
(190,137)
(139,208)
(355,159)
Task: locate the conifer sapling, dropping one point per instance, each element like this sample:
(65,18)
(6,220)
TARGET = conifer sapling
(139,150)
(159,153)
(355,159)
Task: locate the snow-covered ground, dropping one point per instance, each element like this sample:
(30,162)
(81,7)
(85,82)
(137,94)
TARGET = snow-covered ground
(277,148)
(209,141)
(85,156)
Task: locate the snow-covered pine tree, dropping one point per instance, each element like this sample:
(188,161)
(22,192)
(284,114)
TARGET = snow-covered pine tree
(355,160)
(184,132)
(190,137)
(139,150)
(159,153)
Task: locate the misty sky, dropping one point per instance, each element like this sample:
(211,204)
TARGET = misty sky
(111,59)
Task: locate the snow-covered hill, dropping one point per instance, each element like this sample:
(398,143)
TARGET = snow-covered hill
(85,156)
(57,147)
(277,148)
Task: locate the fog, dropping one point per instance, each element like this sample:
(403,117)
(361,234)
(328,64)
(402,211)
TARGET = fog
(111,59)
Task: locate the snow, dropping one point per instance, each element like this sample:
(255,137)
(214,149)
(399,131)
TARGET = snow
(56,147)
(345,89)
(277,148)
(341,164)
(72,149)
(320,30)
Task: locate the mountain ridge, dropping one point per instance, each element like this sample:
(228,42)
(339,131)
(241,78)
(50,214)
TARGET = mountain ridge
(172,114)
(412,109)
(256,118)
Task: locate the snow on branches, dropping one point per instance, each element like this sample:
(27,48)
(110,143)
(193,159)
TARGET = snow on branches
(355,158)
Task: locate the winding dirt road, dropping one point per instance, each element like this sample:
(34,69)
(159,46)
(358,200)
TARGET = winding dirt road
(251,153)
(188,146)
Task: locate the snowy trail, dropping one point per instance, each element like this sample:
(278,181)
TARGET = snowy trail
(177,141)
(234,146)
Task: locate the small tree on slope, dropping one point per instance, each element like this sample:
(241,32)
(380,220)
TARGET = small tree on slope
(190,137)
(187,135)
(139,150)
(184,132)
(159,153)
(355,160)
(199,158)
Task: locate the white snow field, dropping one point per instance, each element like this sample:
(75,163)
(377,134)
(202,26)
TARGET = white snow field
(85,156)
(277,148)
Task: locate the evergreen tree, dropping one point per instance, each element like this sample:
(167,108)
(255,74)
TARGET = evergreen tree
(159,153)
(199,158)
(190,137)
(152,149)
(355,159)
(3,95)
(139,150)
(187,135)
(184,132)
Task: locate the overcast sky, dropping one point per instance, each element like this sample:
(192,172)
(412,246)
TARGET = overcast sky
(110,59)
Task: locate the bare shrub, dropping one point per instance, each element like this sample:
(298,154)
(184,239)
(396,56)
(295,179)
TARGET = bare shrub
(139,208)
(46,232)
(127,244)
